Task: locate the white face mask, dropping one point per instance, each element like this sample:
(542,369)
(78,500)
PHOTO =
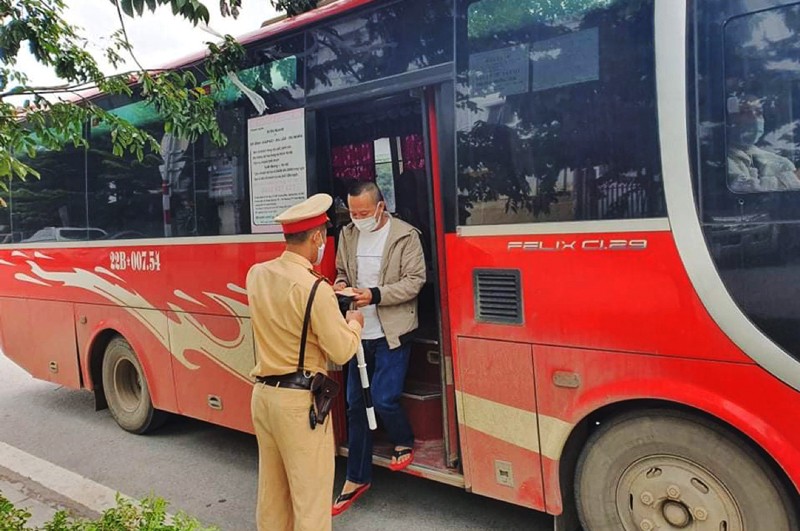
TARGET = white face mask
(320,253)
(751,133)
(368,224)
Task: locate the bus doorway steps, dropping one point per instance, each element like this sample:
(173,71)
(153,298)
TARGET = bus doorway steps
(428,462)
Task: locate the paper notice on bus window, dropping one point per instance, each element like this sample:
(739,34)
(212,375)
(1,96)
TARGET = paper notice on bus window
(566,60)
(503,72)
(277,156)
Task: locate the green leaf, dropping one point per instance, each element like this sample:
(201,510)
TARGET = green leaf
(127,7)
(139,6)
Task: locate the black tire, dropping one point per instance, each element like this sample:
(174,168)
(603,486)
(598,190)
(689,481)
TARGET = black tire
(666,470)
(126,391)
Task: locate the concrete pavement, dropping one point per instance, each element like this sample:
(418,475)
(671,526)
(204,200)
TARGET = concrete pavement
(41,502)
(210,472)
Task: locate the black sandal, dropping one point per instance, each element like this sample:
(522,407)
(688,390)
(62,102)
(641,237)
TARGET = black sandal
(348,499)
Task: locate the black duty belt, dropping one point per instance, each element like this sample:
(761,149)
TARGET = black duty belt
(295,380)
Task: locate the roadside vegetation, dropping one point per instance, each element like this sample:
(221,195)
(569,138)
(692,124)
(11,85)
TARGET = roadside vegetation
(148,515)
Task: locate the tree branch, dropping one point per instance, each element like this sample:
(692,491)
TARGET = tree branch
(125,35)
(60,89)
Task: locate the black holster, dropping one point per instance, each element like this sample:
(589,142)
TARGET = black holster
(323,390)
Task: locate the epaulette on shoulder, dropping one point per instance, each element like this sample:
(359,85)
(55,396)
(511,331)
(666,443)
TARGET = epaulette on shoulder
(319,275)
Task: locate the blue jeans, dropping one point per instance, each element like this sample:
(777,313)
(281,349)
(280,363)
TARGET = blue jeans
(387,374)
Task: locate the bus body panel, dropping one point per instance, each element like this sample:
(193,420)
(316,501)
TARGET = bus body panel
(496,401)
(2,338)
(145,330)
(720,390)
(610,327)
(193,340)
(41,339)
(622,300)
(215,388)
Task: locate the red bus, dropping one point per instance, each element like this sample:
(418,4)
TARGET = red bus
(608,196)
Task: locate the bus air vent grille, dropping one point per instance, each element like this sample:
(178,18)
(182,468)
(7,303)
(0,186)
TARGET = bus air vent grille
(497,296)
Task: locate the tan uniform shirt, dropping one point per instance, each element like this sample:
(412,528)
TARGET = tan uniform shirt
(278,292)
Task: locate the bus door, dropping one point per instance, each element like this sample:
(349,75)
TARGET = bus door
(489,378)
(388,140)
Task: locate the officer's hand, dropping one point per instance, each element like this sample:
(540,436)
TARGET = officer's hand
(363,297)
(339,286)
(355,315)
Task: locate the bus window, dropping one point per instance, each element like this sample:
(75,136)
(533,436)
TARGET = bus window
(221,189)
(395,39)
(126,195)
(268,78)
(556,112)
(384,173)
(748,105)
(57,199)
(276,76)
(205,183)
(762,110)
(6,235)
(220,173)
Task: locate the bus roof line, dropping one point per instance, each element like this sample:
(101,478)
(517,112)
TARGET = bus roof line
(270,28)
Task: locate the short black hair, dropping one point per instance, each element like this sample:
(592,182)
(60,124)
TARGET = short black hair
(302,237)
(365,187)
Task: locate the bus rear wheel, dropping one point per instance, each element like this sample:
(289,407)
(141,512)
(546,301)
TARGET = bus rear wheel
(664,470)
(126,390)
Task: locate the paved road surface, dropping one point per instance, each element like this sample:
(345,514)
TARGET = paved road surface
(210,472)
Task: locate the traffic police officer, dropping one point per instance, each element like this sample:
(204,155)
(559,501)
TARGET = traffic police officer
(296,462)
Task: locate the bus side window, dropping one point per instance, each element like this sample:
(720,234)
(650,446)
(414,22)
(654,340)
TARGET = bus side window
(207,184)
(126,196)
(6,234)
(56,199)
(556,112)
(761,108)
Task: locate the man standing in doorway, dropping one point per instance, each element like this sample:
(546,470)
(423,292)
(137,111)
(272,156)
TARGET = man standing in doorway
(296,457)
(381,259)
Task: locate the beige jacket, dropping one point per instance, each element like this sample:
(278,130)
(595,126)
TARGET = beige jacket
(402,276)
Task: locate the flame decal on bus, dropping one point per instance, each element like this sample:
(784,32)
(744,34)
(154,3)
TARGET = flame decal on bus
(186,333)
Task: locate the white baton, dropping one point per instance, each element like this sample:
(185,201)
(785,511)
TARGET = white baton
(362,370)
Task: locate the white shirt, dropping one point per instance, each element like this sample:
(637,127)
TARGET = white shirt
(369,256)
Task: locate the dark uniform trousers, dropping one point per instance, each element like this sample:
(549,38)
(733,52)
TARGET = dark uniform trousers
(296,463)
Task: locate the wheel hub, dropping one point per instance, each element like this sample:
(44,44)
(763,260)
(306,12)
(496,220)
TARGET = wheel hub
(128,384)
(676,514)
(664,492)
